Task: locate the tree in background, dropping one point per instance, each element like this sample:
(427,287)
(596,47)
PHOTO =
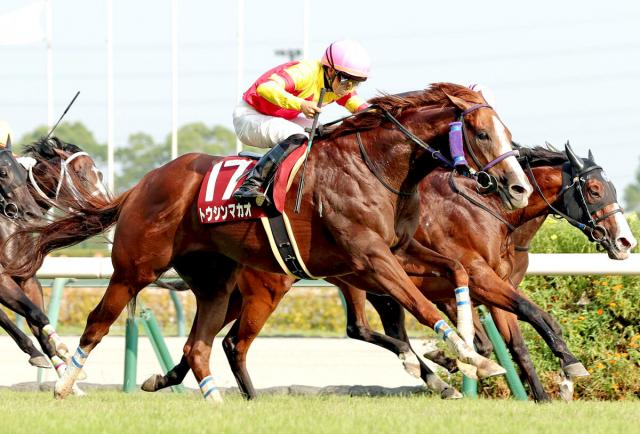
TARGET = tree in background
(142,154)
(71,132)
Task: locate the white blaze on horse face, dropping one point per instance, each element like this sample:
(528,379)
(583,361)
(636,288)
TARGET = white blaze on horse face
(505,146)
(624,233)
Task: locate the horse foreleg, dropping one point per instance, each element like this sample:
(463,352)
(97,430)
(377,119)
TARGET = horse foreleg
(36,358)
(12,296)
(505,296)
(420,261)
(118,294)
(396,339)
(507,325)
(379,271)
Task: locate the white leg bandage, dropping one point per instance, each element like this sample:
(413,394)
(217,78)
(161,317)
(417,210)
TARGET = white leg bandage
(465,316)
(209,389)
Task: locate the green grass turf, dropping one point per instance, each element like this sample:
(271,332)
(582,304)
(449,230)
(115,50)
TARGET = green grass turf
(115,412)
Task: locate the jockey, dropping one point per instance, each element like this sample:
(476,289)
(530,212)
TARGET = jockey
(268,116)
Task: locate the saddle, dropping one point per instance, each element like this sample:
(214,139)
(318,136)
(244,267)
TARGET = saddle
(216,204)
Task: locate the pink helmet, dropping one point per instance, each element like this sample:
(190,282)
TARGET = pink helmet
(349,57)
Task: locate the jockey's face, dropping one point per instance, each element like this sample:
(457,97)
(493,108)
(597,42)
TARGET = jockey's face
(342,84)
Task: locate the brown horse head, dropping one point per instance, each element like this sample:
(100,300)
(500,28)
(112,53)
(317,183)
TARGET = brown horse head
(64,172)
(593,201)
(427,115)
(579,190)
(487,136)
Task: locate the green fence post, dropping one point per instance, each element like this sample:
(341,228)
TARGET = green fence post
(470,386)
(177,303)
(20,322)
(57,288)
(152,329)
(502,354)
(130,356)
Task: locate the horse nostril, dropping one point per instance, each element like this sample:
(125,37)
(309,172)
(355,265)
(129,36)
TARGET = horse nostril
(624,243)
(518,189)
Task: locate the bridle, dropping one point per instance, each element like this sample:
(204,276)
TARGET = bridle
(9,208)
(577,182)
(482,177)
(64,177)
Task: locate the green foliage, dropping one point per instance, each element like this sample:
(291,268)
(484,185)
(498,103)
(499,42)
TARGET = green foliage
(142,154)
(71,132)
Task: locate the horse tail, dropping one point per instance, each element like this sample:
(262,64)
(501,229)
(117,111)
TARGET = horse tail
(24,251)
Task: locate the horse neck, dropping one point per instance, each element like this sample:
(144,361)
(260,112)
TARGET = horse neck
(549,179)
(402,162)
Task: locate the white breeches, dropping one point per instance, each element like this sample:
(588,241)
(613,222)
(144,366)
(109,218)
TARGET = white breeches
(264,131)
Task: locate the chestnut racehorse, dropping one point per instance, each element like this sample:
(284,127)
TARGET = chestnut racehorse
(481,240)
(359,213)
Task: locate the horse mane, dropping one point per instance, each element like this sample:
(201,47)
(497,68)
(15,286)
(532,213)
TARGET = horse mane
(435,95)
(541,156)
(43,148)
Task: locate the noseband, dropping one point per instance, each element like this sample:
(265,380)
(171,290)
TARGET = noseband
(9,208)
(487,183)
(577,182)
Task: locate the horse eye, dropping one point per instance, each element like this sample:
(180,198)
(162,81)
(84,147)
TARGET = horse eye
(3,173)
(482,135)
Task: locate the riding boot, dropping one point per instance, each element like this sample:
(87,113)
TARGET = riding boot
(264,170)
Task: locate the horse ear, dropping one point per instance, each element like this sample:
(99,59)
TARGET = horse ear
(8,146)
(591,155)
(458,102)
(573,158)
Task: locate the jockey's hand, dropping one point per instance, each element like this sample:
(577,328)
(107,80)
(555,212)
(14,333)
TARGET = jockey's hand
(309,109)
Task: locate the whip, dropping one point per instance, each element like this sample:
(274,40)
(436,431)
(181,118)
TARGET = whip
(312,134)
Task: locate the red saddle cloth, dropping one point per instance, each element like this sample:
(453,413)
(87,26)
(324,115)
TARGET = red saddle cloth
(215,200)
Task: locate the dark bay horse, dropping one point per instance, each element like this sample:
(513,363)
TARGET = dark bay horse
(53,169)
(358,228)
(481,239)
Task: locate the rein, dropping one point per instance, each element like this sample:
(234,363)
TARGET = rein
(597,232)
(479,204)
(435,153)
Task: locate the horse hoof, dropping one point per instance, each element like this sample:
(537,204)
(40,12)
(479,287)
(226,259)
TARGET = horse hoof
(40,362)
(489,368)
(411,364)
(62,389)
(576,370)
(467,370)
(151,383)
(81,375)
(450,393)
